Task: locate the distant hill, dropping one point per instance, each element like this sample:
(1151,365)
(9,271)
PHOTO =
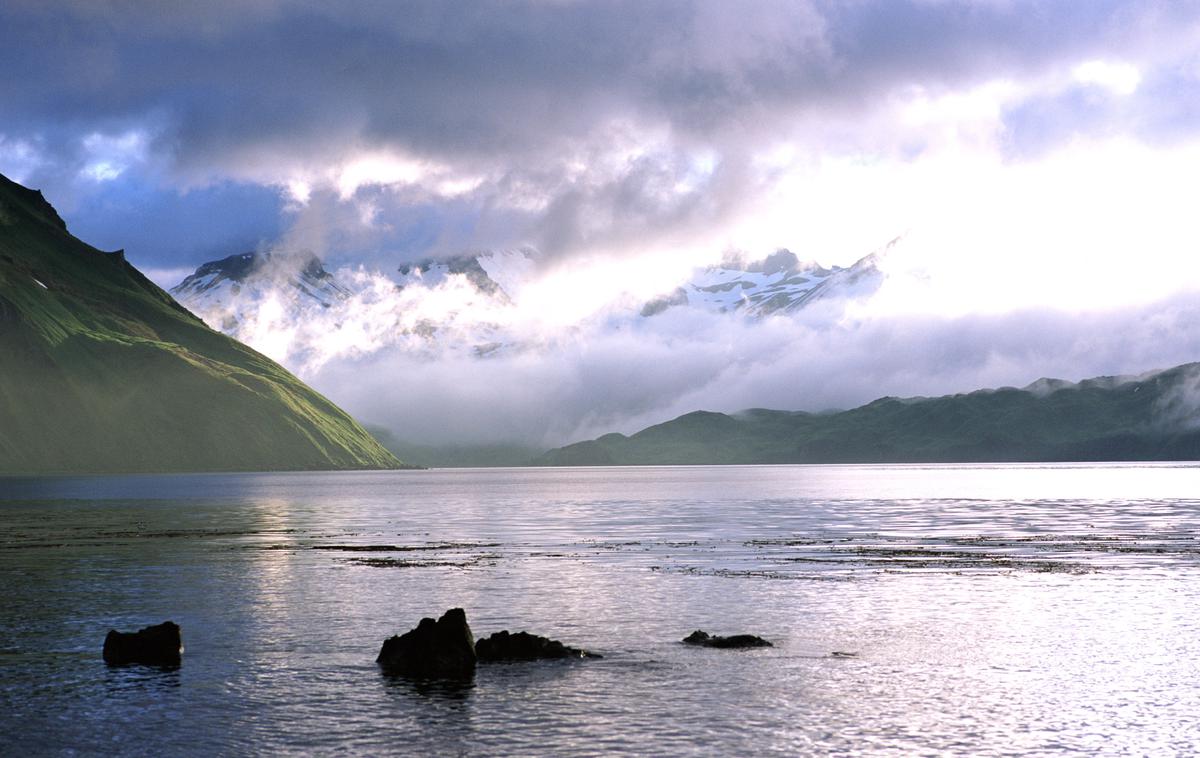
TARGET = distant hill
(102,371)
(1149,417)
(458,456)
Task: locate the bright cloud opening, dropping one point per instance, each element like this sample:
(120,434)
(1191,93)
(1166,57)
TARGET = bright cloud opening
(108,156)
(1117,77)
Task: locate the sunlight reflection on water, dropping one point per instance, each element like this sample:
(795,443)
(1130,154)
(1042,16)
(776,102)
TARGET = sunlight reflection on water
(992,610)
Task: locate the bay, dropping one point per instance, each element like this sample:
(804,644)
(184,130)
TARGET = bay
(982,610)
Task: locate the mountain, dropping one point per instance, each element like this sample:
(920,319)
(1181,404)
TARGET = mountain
(227,289)
(431,272)
(102,371)
(1155,416)
(289,306)
(230,291)
(779,283)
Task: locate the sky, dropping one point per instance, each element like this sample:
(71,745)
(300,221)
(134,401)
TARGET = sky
(1038,160)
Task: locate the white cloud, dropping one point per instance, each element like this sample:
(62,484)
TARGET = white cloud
(19,158)
(593,381)
(1101,223)
(1092,280)
(107,156)
(1117,77)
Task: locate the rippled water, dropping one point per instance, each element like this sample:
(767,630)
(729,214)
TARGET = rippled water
(988,610)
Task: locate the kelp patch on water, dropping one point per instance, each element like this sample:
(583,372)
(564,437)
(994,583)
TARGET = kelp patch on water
(1042,553)
(818,555)
(731,573)
(404,548)
(434,554)
(815,557)
(488,560)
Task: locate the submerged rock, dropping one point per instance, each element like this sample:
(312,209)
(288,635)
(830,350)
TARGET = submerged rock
(705,639)
(523,646)
(159,645)
(434,650)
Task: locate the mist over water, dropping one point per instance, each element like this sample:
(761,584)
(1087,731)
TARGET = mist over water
(990,610)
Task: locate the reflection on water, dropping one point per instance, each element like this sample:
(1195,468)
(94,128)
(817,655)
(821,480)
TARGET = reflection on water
(989,610)
(119,679)
(450,690)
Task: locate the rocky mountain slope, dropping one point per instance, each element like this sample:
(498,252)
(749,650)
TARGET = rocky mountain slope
(102,371)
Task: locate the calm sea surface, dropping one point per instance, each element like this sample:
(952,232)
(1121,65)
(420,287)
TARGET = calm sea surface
(989,610)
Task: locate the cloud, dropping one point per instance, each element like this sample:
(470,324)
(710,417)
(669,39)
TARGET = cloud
(1179,408)
(565,355)
(1103,99)
(577,127)
(597,381)
(1037,154)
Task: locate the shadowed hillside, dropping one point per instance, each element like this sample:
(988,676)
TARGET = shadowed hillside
(1150,417)
(100,370)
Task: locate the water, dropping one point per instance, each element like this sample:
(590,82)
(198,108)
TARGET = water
(990,610)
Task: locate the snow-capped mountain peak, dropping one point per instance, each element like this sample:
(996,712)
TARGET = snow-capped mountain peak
(302,271)
(434,271)
(779,283)
(221,291)
(479,305)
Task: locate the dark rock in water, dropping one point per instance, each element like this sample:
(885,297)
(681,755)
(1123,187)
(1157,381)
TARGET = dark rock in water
(705,639)
(159,645)
(524,646)
(434,650)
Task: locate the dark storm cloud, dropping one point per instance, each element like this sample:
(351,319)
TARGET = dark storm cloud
(488,79)
(251,91)
(433,77)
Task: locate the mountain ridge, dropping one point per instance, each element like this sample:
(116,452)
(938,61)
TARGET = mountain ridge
(474,300)
(1149,416)
(104,372)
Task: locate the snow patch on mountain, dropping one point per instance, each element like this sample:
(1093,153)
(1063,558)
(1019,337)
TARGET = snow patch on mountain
(292,309)
(225,292)
(779,283)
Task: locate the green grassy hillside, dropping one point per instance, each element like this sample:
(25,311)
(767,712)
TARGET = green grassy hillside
(1134,418)
(100,370)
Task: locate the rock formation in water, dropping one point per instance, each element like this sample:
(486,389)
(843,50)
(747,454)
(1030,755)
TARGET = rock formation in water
(523,646)
(704,639)
(158,645)
(434,650)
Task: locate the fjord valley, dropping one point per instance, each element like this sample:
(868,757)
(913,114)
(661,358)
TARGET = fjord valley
(602,377)
(255,296)
(103,371)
